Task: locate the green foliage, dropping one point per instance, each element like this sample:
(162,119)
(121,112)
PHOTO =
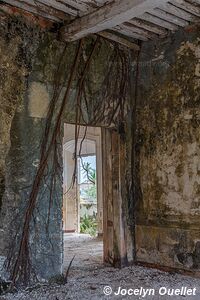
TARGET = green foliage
(90,173)
(91,192)
(88,225)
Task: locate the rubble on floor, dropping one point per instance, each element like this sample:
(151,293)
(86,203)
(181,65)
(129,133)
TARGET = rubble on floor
(89,283)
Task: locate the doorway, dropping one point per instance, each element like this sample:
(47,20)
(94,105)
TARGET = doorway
(106,146)
(83,196)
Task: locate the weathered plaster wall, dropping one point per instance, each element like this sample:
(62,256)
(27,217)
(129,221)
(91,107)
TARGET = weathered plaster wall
(168,151)
(167,145)
(15,57)
(25,93)
(29,59)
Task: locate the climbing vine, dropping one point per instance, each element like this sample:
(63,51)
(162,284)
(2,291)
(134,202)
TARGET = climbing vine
(106,105)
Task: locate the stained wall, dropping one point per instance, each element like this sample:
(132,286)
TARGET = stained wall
(168,152)
(166,145)
(30,56)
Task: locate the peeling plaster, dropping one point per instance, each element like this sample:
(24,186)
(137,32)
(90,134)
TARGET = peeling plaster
(38,100)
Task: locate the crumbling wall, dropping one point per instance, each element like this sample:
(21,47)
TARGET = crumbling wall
(168,152)
(15,57)
(28,78)
(29,56)
(166,146)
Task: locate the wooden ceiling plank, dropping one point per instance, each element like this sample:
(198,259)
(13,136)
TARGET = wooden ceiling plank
(194,1)
(31,9)
(149,26)
(178,12)
(120,40)
(78,4)
(138,30)
(193,9)
(157,21)
(130,33)
(95,3)
(108,16)
(60,6)
(168,17)
(46,9)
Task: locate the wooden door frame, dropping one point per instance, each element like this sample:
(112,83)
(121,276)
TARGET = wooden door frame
(113,157)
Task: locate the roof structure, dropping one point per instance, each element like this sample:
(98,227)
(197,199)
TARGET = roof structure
(119,20)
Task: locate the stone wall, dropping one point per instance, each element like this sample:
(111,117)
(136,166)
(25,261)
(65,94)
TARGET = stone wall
(168,151)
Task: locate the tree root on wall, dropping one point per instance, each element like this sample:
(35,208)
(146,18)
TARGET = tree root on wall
(109,110)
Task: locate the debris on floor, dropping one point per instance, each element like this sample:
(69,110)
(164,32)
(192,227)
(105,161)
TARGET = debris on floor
(93,283)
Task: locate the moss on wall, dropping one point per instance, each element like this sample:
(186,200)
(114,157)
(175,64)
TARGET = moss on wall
(24,96)
(30,58)
(169,147)
(15,56)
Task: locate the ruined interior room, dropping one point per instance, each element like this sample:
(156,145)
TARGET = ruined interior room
(99,149)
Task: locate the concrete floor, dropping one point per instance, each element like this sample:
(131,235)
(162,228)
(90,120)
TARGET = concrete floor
(88,251)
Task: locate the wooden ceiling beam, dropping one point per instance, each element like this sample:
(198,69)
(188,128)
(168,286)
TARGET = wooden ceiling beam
(107,17)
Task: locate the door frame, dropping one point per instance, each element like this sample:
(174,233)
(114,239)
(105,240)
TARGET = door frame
(115,239)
